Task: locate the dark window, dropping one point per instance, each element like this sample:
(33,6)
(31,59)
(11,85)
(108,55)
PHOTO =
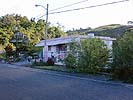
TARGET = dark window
(62,47)
(49,48)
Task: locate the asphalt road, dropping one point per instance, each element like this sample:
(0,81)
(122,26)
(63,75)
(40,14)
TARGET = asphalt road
(21,83)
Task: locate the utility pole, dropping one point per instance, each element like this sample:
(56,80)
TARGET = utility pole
(45,55)
(46,28)
(45,49)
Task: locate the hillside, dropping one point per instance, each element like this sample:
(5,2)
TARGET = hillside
(113,30)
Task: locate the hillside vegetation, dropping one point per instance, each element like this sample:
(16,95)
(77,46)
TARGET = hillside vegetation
(112,30)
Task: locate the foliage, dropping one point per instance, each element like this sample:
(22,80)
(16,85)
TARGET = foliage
(39,63)
(89,55)
(75,49)
(112,30)
(9,51)
(123,55)
(55,32)
(94,55)
(31,50)
(31,29)
(78,31)
(73,54)
(70,61)
(124,74)
(123,50)
(50,62)
(3,56)
(9,48)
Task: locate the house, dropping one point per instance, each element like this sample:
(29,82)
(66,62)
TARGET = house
(57,48)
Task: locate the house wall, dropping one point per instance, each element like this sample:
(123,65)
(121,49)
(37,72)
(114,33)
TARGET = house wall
(51,51)
(58,54)
(108,43)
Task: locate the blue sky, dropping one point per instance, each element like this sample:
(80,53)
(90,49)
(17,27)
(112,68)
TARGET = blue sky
(93,17)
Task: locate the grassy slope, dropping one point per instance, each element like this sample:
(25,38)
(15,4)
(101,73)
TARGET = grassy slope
(112,30)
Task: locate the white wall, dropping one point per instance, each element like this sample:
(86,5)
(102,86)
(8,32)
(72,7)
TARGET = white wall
(108,43)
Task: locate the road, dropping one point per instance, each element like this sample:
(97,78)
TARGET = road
(23,83)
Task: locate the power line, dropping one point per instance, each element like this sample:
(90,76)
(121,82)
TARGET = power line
(40,17)
(69,5)
(88,7)
(85,7)
(64,7)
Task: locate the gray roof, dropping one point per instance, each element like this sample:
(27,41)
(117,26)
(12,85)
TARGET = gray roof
(69,39)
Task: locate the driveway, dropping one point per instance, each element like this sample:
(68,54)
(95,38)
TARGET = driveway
(23,83)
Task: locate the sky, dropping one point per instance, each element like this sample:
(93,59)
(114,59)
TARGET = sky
(119,13)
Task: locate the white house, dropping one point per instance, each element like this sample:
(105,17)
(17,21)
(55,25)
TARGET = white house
(58,47)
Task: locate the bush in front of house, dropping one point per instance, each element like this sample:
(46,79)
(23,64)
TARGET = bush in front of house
(124,74)
(123,57)
(94,55)
(70,61)
(90,57)
(50,62)
(41,63)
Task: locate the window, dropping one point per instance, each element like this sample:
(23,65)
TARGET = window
(62,47)
(49,48)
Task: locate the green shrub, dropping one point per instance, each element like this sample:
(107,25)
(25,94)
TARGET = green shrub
(123,57)
(94,55)
(89,70)
(3,56)
(50,62)
(70,61)
(39,63)
(124,74)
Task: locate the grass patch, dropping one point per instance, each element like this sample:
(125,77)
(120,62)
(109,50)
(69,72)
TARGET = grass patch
(75,70)
(55,68)
(60,68)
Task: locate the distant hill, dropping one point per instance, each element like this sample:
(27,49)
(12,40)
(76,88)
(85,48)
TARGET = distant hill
(112,30)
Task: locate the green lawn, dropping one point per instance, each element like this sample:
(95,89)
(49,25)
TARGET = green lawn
(56,68)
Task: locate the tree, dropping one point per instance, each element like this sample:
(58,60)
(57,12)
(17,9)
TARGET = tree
(123,50)
(89,55)
(123,57)
(94,55)
(9,51)
(2,37)
(55,32)
(72,58)
(33,30)
(70,61)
